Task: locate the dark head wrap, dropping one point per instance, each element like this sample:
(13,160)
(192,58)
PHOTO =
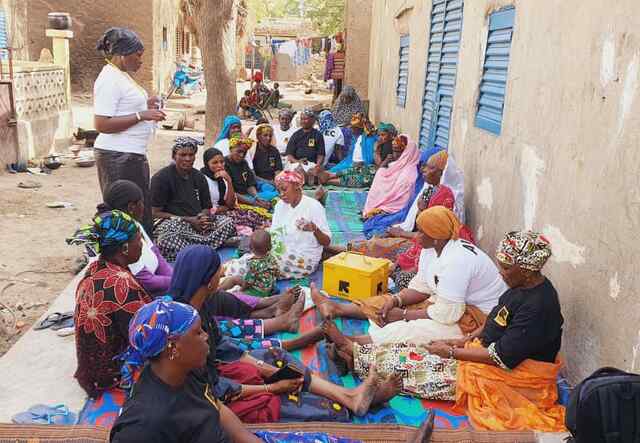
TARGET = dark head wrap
(151,329)
(194,267)
(119,41)
(119,194)
(186,143)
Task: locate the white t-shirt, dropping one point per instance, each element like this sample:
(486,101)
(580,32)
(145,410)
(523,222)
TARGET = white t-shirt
(115,95)
(332,137)
(223,146)
(282,137)
(462,274)
(148,258)
(302,242)
(357,150)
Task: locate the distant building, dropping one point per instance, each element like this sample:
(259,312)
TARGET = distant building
(159,23)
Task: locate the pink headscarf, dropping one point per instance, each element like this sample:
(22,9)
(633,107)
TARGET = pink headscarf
(393,186)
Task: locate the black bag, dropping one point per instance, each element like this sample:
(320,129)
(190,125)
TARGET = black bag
(605,408)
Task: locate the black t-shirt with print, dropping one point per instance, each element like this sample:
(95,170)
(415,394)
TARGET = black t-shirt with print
(306,144)
(159,413)
(182,196)
(526,323)
(241,175)
(266,162)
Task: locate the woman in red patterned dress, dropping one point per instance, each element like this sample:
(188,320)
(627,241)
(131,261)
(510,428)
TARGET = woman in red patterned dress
(106,299)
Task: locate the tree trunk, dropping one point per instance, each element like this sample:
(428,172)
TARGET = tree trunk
(215,22)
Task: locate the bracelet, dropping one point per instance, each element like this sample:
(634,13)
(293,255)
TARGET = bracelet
(404,314)
(266,388)
(452,352)
(397,297)
(138,116)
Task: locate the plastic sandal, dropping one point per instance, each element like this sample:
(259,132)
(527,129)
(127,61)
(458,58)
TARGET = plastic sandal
(46,415)
(52,319)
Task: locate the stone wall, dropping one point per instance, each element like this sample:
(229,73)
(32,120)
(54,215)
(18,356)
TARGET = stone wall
(358,40)
(90,20)
(8,133)
(566,162)
(42,109)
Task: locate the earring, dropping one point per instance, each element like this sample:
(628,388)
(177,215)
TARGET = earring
(174,353)
(125,249)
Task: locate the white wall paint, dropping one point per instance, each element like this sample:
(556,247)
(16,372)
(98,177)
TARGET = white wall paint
(531,166)
(614,287)
(608,61)
(563,250)
(485,193)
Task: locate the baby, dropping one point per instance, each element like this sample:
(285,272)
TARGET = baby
(256,273)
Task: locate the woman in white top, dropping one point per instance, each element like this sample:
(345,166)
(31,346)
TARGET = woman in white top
(283,132)
(124,115)
(299,229)
(453,276)
(231,126)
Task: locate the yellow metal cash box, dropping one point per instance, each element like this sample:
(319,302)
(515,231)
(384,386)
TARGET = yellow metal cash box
(355,276)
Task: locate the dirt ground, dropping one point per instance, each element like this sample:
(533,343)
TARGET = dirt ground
(36,264)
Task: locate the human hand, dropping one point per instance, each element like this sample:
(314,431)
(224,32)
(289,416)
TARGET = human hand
(286,386)
(389,304)
(395,231)
(440,349)
(307,226)
(422,205)
(154,115)
(198,222)
(222,210)
(453,342)
(222,174)
(154,102)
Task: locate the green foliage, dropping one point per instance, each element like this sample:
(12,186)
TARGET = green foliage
(327,15)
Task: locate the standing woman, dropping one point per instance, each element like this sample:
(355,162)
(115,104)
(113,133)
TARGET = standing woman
(124,115)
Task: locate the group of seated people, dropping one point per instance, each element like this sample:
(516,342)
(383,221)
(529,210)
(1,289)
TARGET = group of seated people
(154,315)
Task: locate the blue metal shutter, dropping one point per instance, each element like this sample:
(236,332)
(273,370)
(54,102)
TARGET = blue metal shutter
(494,77)
(403,72)
(4,36)
(442,66)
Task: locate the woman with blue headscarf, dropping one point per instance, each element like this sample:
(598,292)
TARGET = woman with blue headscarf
(241,358)
(106,298)
(172,401)
(125,115)
(232,126)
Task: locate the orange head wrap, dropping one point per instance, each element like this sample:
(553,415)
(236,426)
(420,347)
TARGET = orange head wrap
(439,223)
(439,160)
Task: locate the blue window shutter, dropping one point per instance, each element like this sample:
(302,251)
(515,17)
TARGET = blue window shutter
(442,66)
(4,36)
(494,76)
(403,72)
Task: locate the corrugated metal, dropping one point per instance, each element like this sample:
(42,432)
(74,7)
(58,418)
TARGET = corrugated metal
(403,72)
(494,77)
(442,66)
(4,37)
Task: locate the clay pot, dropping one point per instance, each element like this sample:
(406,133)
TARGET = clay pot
(59,20)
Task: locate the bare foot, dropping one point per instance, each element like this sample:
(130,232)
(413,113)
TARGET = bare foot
(320,193)
(285,302)
(389,388)
(323,304)
(426,430)
(363,394)
(293,315)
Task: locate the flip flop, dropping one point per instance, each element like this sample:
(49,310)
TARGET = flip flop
(52,319)
(63,324)
(46,415)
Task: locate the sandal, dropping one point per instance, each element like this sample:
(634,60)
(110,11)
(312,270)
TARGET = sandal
(52,319)
(46,415)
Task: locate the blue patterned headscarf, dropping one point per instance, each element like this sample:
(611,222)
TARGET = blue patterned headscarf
(194,267)
(326,121)
(229,121)
(150,331)
(109,229)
